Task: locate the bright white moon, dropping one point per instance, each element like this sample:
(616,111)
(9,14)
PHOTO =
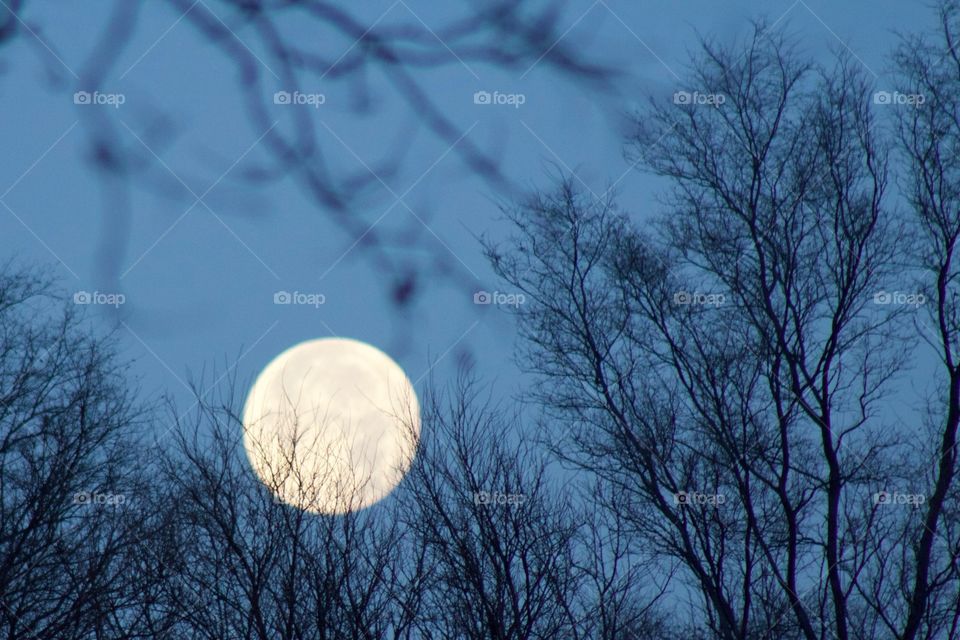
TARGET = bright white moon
(331,425)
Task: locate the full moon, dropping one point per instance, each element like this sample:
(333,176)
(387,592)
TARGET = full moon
(331,425)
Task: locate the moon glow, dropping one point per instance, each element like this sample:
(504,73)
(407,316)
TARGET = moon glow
(331,425)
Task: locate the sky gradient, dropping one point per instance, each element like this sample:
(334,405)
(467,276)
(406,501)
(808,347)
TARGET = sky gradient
(208,251)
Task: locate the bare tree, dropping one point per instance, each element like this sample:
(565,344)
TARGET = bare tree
(621,592)
(69,478)
(511,556)
(250,565)
(928,135)
(222,536)
(728,370)
(727,380)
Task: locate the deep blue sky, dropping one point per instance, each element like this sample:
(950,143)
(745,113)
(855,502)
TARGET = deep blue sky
(200,290)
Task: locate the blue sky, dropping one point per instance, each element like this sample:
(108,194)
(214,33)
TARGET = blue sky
(207,251)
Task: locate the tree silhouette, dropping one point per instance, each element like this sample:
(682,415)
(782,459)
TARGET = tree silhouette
(732,368)
(69,475)
(730,445)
